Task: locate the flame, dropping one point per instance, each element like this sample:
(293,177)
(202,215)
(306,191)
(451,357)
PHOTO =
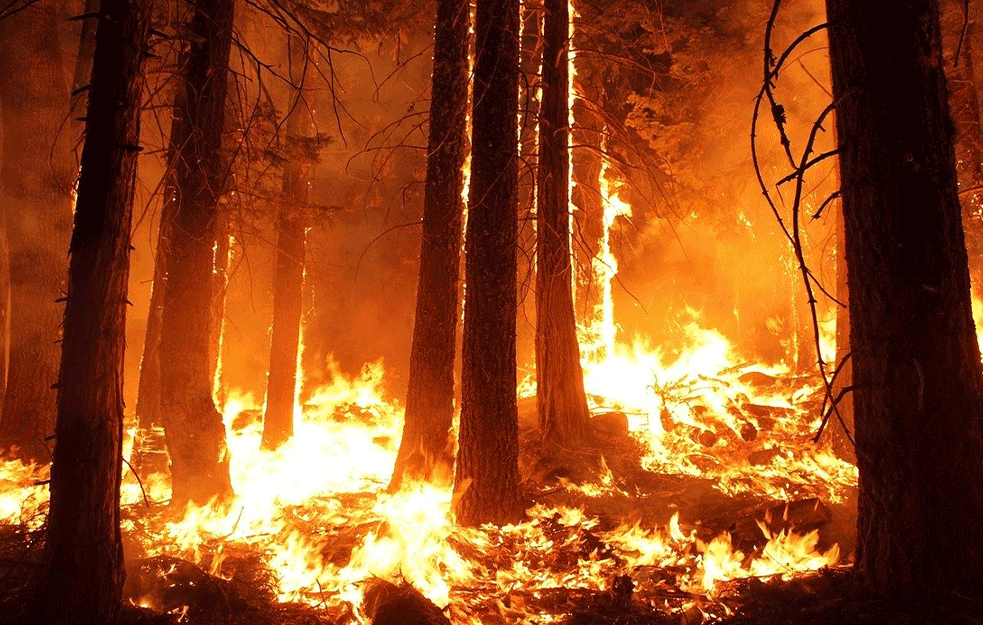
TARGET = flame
(605,268)
(317,510)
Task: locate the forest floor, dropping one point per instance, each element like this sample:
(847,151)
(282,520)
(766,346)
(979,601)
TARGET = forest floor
(614,538)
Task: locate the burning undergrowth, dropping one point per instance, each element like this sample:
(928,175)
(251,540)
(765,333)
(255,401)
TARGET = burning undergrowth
(702,476)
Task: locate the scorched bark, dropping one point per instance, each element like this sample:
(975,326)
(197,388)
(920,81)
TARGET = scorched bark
(426,444)
(82,578)
(278,422)
(193,426)
(487,477)
(919,391)
(563,414)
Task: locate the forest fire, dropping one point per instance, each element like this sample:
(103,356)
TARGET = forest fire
(490,312)
(317,512)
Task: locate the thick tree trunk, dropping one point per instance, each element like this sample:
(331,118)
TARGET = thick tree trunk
(194,429)
(82,579)
(487,478)
(36,180)
(288,283)
(563,415)
(919,395)
(425,449)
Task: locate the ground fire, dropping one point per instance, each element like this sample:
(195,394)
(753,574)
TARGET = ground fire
(490,311)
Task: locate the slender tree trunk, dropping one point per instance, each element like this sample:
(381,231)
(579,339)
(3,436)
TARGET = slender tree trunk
(36,179)
(193,426)
(82,579)
(426,445)
(587,135)
(288,283)
(149,453)
(563,415)
(82,75)
(221,256)
(487,478)
(919,392)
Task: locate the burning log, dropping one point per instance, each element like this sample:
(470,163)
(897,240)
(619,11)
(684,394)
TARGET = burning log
(388,604)
(166,583)
(800,516)
(610,425)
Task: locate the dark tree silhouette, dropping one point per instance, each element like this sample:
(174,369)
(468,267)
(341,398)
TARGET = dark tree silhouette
(149,454)
(288,283)
(36,181)
(426,446)
(487,477)
(82,579)
(919,390)
(193,426)
(563,414)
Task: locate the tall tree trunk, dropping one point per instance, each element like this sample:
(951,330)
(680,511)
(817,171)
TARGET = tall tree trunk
(36,179)
(82,75)
(587,135)
(221,257)
(288,283)
(919,392)
(426,446)
(563,415)
(487,478)
(82,579)
(149,452)
(193,426)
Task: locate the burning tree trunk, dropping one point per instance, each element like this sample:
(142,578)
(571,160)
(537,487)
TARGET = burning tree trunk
(82,579)
(37,178)
(288,285)
(221,255)
(563,414)
(919,392)
(426,444)
(194,429)
(487,479)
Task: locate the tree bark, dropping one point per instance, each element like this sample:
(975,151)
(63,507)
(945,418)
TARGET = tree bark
(919,395)
(563,415)
(425,450)
(149,452)
(288,283)
(193,426)
(82,579)
(838,440)
(487,478)
(37,178)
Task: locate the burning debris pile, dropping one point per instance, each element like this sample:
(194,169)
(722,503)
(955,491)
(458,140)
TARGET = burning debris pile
(712,480)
